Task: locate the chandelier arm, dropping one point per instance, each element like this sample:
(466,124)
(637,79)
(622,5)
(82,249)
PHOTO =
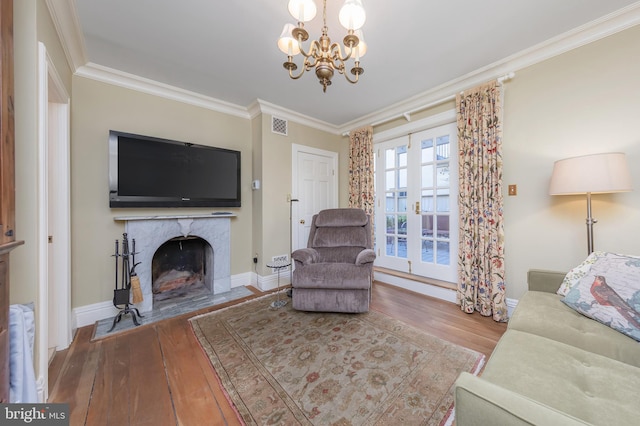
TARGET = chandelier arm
(295,77)
(313,47)
(337,52)
(352,81)
(349,80)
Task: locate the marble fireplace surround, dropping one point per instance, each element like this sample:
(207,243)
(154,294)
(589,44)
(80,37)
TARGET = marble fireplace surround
(150,232)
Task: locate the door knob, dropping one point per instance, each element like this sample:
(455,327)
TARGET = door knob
(302,221)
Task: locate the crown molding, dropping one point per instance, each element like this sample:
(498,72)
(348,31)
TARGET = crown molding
(260,106)
(152,87)
(605,26)
(67,24)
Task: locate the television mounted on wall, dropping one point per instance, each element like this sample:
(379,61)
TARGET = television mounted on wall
(146,171)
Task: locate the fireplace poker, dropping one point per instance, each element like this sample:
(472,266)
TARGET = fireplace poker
(116,255)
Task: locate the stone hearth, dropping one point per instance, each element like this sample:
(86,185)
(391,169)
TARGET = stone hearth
(151,232)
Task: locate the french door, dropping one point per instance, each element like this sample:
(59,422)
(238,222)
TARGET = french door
(417,207)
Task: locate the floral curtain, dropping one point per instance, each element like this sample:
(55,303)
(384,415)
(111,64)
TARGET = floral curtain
(361,190)
(481,285)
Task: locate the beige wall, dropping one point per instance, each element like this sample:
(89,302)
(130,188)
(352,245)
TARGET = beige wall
(582,102)
(96,109)
(261,225)
(276,165)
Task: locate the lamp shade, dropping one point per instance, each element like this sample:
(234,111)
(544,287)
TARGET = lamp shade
(352,14)
(286,43)
(302,10)
(596,173)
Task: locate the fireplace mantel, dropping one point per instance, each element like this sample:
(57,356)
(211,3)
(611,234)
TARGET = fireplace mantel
(150,232)
(183,216)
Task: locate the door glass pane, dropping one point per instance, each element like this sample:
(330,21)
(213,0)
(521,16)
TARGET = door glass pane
(390,155)
(402,247)
(427,176)
(443,227)
(427,251)
(391,246)
(402,225)
(390,179)
(443,201)
(402,178)
(389,202)
(427,150)
(443,257)
(391,224)
(442,175)
(426,202)
(402,156)
(427,226)
(443,151)
(402,201)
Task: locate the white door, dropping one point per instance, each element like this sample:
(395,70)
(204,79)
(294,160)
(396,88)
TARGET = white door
(54,237)
(314,186)
(417,212)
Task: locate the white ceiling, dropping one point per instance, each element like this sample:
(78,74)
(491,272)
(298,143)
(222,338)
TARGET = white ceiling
(226,49)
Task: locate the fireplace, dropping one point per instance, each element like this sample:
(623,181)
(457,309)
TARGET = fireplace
(181,267)
(186,253)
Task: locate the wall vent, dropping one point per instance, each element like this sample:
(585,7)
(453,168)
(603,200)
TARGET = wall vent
(279,126)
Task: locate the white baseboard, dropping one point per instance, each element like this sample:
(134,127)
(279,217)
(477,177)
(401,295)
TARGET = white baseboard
(418,287)
(242,280)
(270,282)
(89,314)
(429,290)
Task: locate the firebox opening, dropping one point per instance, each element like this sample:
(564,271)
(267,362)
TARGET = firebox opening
(182,267)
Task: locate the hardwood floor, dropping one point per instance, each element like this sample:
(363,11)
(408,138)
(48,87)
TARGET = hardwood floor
(158,375)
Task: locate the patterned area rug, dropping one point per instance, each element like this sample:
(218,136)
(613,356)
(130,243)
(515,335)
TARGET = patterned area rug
(289,367)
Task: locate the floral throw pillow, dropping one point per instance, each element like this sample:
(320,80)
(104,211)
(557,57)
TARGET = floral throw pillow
(575,274)
(610,293)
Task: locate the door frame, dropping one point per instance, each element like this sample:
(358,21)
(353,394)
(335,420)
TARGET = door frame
(441,292)
(53,128)
(295,151)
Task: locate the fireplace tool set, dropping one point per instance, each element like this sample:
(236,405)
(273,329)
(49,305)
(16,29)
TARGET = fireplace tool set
(129,282)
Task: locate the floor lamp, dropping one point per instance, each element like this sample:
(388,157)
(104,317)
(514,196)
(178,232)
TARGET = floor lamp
(590,174)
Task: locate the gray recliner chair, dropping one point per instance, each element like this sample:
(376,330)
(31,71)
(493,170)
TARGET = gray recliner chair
(334,273)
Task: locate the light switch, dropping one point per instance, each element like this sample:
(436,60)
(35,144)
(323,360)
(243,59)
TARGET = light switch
(513,189)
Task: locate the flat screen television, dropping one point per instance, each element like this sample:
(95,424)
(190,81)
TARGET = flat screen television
(146,171)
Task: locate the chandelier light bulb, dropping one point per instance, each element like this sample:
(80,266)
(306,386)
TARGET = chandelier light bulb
(302,10)
(361,48)
(352,14)
(287,43)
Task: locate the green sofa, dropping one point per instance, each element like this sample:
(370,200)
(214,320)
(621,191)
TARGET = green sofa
(553,366)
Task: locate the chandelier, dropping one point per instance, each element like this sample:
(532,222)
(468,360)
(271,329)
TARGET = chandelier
(324,56)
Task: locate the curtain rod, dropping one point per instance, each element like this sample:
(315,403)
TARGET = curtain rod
(407,114)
